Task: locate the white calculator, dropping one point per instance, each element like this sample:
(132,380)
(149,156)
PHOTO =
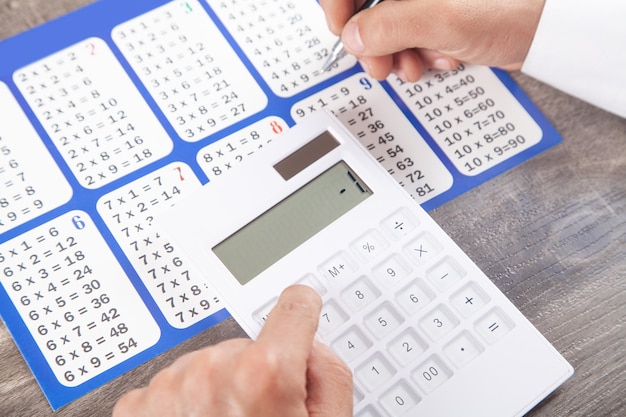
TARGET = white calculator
(424,331)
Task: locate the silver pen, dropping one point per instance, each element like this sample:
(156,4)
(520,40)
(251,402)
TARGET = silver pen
(338,52)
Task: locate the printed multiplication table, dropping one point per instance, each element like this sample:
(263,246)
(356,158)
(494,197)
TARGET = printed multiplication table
(221,157)
(93,113)
(286,40)
(189,68)
(84,314)
(183,297)
(30,180)
(473,119)
(112,115)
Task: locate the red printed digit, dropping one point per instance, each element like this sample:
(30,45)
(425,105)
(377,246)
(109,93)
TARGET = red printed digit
(180,173)
(276,127)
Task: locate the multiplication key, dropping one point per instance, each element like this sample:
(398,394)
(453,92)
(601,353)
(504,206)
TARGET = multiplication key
(366,109)
(30,180)
(287,41)
(75,299)
(189,68)
(177,287)
(93,113)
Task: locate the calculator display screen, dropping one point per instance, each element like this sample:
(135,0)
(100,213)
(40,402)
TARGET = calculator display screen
(292,221)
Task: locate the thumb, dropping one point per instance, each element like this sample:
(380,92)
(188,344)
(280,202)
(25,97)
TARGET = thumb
(329,384)
(394,26)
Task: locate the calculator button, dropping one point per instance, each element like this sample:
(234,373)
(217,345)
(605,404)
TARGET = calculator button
(310,281)
(469,300)
(369,245)
(438,322)
(399,224)
(357,395)
(414,296)
(338,267)
(462,350)
(431,374)
(406,347)
(374,372)
(383,320)
(399,399)
(392,270)
(263,313)
(422,248)
(351,344)
(331,317)
(360,294)
(493,326)
(445,274)
(368,412)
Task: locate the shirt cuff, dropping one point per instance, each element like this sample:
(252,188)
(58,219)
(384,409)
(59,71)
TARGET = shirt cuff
(580,48)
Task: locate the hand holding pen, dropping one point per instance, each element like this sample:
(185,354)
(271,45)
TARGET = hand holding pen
(338,50)
(410,36)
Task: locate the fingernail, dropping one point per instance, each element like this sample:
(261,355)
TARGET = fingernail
(352,39)
(400,74)
(442,64)
(365,66)
(331,26)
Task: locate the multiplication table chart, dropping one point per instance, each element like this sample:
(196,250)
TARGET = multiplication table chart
(92,113)
(30,179)
(189,68)
(286,41)
(476,125)
(76,301)
(113,114)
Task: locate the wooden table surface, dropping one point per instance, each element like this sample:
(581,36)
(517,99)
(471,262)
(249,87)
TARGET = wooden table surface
(550,233)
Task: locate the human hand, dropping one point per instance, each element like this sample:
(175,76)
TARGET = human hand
(284,373)
(408,36)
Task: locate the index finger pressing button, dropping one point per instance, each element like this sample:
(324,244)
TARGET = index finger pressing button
(293,321)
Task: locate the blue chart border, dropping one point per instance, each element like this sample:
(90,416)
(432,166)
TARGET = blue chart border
(98,20)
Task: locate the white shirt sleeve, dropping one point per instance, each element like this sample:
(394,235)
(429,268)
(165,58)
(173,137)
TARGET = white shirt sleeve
(580,48)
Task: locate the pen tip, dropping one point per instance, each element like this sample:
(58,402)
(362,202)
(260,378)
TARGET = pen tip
(329,62)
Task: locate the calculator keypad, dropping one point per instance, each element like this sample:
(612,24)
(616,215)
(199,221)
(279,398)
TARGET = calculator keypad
(403,313)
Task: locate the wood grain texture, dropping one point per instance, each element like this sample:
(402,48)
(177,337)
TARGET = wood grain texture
(550,233)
